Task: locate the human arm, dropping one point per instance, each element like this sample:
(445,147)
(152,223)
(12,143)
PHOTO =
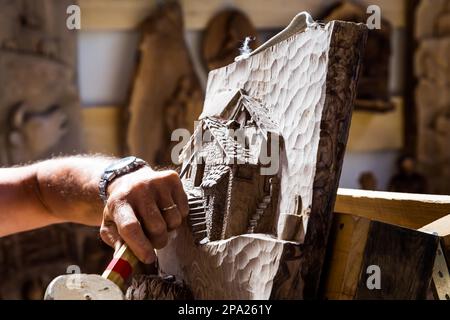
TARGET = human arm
(66,190)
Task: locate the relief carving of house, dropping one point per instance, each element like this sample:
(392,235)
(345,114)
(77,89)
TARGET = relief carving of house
(228,170)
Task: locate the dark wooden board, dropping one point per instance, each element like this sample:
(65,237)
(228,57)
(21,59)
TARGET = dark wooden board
(405,258)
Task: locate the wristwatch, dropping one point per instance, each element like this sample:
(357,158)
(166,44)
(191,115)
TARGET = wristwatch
(118,169)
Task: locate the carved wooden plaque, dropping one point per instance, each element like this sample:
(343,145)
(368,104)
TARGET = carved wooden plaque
(39,106)
(166,93)
(307,79)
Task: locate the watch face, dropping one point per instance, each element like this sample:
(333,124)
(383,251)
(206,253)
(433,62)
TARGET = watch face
(121,164)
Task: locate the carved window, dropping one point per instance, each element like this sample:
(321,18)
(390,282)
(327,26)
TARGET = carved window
(199,174)
(189,171)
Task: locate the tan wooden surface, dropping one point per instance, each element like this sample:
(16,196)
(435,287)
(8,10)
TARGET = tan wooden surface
(377,131)
(441,226)
(349,236)
(101,130)
(265,14)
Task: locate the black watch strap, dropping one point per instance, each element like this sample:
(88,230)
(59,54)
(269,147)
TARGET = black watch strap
(118,169)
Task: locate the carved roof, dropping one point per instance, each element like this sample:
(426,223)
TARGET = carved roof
(229,117)
(260,113)
(232,148)
(229,104)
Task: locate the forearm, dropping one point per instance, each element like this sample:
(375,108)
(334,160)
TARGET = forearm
(52,191)
(143,205)
(69,188)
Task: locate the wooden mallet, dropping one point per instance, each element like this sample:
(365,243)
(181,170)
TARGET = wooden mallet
(108,286)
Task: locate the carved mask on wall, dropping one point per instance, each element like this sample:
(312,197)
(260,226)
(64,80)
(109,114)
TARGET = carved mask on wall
(38,108)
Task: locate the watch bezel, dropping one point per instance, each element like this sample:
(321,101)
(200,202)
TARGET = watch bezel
(118,169)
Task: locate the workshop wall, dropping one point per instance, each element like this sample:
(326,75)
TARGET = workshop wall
(432,68)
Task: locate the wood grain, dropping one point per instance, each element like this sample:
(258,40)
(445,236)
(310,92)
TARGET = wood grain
(413,250)
(166,92)
(345,254)
(308,81)
(407,210)
(346,49)
(405,258)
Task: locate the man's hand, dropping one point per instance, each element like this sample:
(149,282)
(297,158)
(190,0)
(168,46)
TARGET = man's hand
(134,211)
(66,190)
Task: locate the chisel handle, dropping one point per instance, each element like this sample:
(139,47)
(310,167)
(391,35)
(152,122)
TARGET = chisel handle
(121,266)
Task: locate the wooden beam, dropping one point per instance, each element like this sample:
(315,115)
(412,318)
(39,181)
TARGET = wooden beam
(407,210)
(441,226)
(405,259)
(441,274)
(347,241)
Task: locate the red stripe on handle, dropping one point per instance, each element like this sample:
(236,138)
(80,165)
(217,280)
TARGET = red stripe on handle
(121,266)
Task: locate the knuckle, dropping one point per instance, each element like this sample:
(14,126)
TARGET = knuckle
(114,202)
(172,175)
(157,228)
(174,221)
(169,176)
(104,231)
(161,241)
(143,186)
(129,228)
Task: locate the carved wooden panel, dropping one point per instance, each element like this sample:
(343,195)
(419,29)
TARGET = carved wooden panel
(308,81)
(432,96)
(39,109)
(166,93)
